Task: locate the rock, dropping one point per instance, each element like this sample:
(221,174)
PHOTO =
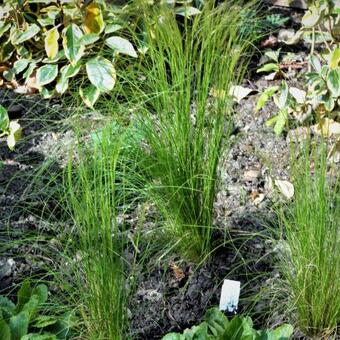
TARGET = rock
(6,268)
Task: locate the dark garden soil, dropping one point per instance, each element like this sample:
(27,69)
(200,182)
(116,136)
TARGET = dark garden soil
(171,295)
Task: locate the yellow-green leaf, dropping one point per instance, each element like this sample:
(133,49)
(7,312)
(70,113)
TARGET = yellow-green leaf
(46,74)
(335,58)
(93,22)
(89,95)
(51,43)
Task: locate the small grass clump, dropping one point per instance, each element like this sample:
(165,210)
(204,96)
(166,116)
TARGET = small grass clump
(100,271)
(311,261)
(183,108)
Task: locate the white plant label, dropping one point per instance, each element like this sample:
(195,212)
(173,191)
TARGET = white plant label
(230,295)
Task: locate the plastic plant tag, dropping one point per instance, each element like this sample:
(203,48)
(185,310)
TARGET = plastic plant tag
(230,295)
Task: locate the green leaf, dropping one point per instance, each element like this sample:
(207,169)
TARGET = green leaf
(46,74)
(5,332)
(312,17)
(89,95)
(173,336)
(333,82)
(24,295)
(101,73)
(4,122)
(20,65)
(265,96)
(4,28)
(217,321)
(18,325)
(269,68)
(74,50)
(111,28)
(335,58)
(121,45)
(31,306)
(51,43)
(234,329)
(315,62)
(282,118)
(15,133)
(284,96)
(30,70)
(31,31)
(43,321)
(42,293)
(93,22)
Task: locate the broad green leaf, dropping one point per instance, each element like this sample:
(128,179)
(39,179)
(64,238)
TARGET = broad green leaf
(187,11)
(101,73)
(273,55)
(45,93)
(30,70)
(88,39)
(4,122)
(51,43)
(18,325)
(335,58)
(5,332)
(265,96)
(20,65)
(74,50)
(31,31)
(6,305)
(46,21)
(94,22)
(269,68)
(15,133)
(41,291)
(121,45)
(312,17)
(173,336)
(24,295)
(31,306)
(89,95)
(333,82)
(46,74)
(283,332)
(62,84)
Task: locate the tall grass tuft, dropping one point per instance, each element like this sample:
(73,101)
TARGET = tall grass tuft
(100,273)
(184,110)
(311,229)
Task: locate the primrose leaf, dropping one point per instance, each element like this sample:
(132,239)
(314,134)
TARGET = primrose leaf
(43,321)
(24,295)
(280,123)
(187,11)
(35,336)
(31,31)
(265,96)
(46,74)
(51,43)
(18,325)
(269,68)
(74,50)
(89,95)
(333,82)
(121,45)
(93,22)
(5,332)
(285,331)
(101,73)
(4,119)
(41,291)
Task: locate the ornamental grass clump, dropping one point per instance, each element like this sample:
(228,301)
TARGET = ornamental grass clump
(311,231)
(183,108)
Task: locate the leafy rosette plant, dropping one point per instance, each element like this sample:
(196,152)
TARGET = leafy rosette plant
(45,44)
(24,321)
(216,326)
